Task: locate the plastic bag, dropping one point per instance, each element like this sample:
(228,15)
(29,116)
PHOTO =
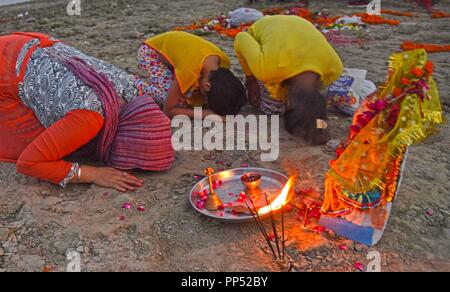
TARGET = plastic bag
(244,15)
(349,91)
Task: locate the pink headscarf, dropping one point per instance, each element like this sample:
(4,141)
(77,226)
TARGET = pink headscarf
(136,135)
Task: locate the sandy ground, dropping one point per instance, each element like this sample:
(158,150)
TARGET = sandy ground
(40,222)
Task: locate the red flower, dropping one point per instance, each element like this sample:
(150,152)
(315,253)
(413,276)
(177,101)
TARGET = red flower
(418,72)
(359,266)
(397,92)
(354,129)
(200,205)
(339,152)
(320,229)
(126,206)
(343,247)
(429,66)
(242,198)
(406,81)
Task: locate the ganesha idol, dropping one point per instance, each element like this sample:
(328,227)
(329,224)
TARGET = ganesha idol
(364,179)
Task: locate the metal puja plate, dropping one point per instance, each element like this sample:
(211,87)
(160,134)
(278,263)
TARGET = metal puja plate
(272,183)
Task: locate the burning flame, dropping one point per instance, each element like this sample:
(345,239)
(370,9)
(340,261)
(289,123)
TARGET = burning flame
(280,201)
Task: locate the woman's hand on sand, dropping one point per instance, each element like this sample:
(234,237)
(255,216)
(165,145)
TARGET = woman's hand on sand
(109,177)
(254,95)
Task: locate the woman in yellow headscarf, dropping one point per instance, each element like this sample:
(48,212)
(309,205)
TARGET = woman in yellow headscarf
(184,69)
(286,61)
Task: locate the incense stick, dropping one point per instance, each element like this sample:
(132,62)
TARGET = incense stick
(305,224)
(282,231)
(261,228)
(272,220)
(262,225)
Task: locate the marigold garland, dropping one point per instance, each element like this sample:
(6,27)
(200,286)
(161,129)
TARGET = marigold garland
(375,19)
(396,13)
(220,24)
(430,48)
(440,14)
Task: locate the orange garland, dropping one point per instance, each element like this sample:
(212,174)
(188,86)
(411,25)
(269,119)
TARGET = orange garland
(396,13)
(375,19)
(440,14)
(321,20)
(430,48)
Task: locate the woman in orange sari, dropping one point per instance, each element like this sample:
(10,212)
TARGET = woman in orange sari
(56,101)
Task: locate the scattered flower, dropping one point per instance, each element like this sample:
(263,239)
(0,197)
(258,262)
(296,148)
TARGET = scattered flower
(126,206)
(320,229)
(200,205)
(121,217)
(343,247)
(288,208)
(244,165)
(141,208)
(242,198)
(359,266)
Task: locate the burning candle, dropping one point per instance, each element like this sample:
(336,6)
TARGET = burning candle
(280,201)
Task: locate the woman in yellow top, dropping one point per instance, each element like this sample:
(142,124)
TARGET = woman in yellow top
(286,61)
(185,70)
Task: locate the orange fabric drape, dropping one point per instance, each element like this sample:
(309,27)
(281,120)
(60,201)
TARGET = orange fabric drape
(18,124)
(42,157)
(23,140)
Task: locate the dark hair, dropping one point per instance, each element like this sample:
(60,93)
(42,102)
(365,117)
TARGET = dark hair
(227,95)
(305,107)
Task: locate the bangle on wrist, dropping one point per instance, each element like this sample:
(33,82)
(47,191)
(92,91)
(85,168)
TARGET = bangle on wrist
(79,174)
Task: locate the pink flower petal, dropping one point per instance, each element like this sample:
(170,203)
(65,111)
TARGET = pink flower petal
(141,208)
(320,229)
(126,206)
(359,266)
(197,177)
(244,165)
(121,217)
(343,247)
(200,205)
